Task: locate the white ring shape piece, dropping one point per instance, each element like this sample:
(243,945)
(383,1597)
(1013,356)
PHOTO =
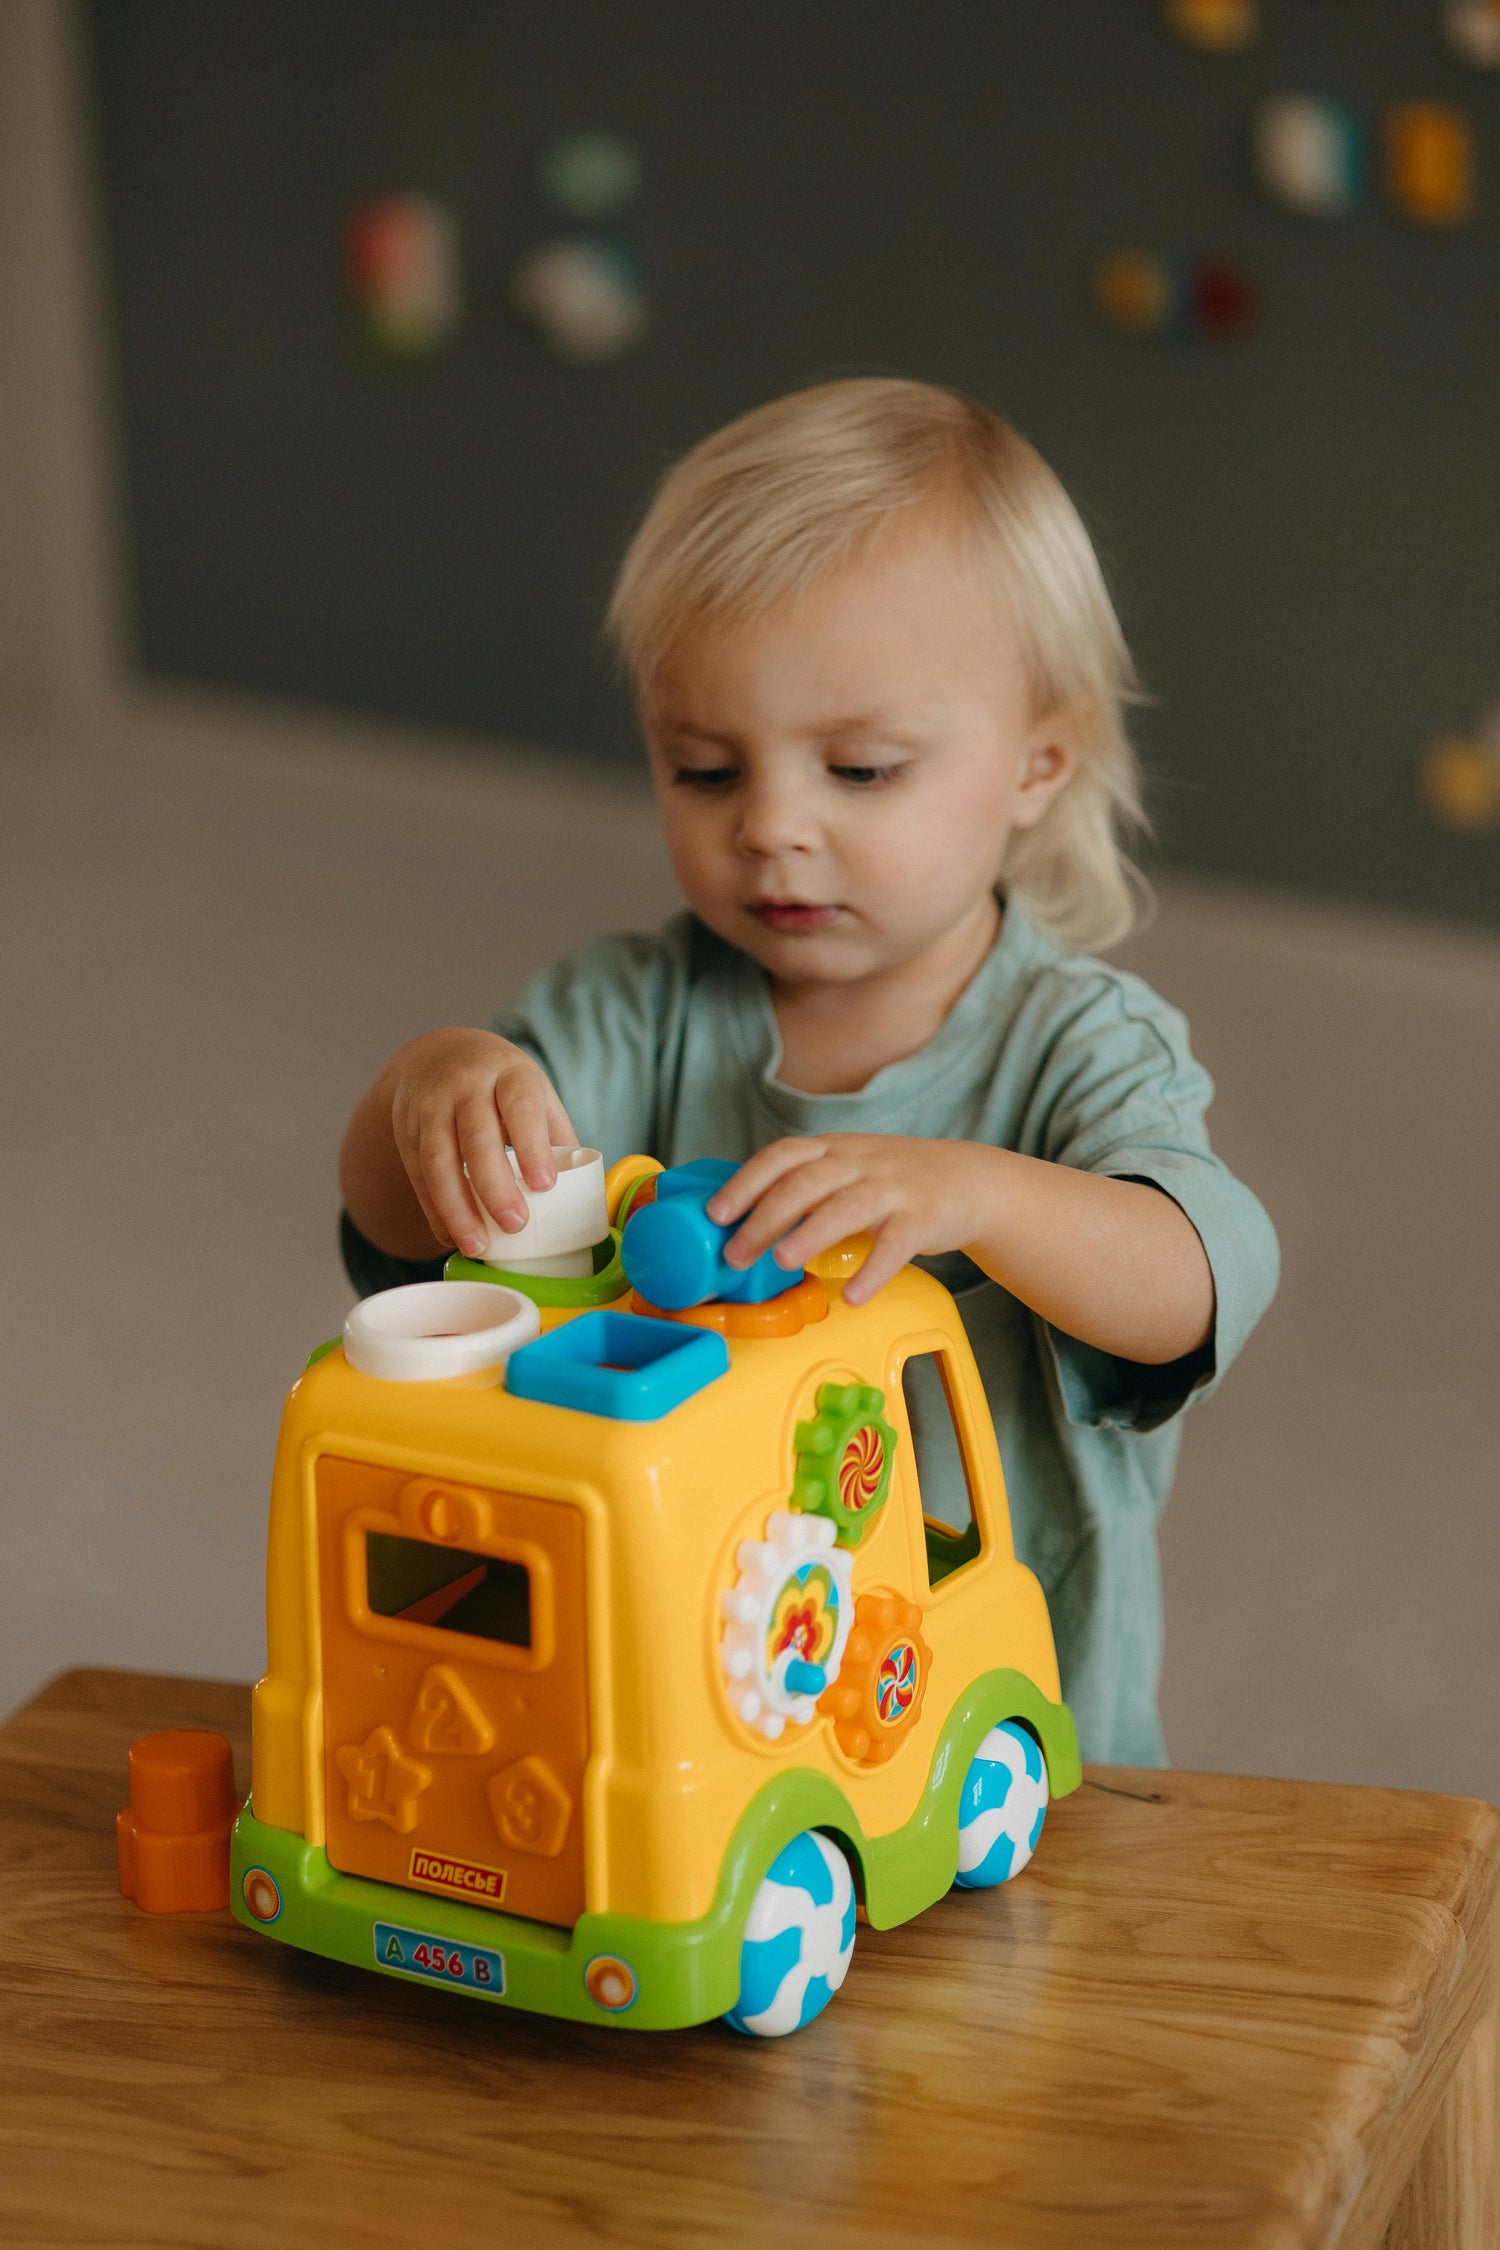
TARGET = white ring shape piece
(568,1218)
(430,1331)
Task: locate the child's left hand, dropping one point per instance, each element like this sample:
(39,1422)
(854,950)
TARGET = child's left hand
(804,1195)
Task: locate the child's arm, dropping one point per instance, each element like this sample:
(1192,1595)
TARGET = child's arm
(426,1144)
(1114,1262)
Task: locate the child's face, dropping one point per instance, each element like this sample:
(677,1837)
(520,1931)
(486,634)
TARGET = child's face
(839,778)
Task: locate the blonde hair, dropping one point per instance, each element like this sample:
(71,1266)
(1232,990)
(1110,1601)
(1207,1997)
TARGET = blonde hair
(757,513)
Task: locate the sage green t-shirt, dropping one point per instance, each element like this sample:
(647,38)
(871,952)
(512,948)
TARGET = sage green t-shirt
(668,1044)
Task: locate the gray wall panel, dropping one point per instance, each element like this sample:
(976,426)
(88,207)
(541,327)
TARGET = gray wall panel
(1303,529)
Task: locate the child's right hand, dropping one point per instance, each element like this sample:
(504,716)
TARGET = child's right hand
(448,1103)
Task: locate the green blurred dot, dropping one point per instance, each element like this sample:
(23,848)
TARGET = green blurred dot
(589,174)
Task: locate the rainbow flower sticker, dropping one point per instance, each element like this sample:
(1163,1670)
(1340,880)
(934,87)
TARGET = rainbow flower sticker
(805,1619)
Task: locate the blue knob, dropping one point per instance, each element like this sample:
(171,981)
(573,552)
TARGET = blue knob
(805,1679)
(674,1253)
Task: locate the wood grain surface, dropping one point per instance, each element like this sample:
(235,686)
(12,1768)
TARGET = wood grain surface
(1213,2011)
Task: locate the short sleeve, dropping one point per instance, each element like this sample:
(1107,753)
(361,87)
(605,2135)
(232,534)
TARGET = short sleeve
(1122,1094)
(603,1026)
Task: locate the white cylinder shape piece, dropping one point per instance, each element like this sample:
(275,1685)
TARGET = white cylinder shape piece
(430,1331)
(570,1217)
(568,1265)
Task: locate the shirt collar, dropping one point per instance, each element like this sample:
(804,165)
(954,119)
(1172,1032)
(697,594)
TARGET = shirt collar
(981,1014)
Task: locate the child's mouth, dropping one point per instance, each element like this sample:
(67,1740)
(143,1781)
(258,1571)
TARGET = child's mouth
(792,914)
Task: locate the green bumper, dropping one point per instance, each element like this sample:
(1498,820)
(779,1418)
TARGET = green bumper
(618,1968)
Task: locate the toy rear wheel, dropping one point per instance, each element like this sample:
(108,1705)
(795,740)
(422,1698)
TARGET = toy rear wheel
(1001,1807)
(799,1936)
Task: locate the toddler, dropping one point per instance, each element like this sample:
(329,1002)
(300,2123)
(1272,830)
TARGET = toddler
(882,690)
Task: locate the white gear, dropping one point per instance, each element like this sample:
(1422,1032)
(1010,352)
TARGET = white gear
(795,1548)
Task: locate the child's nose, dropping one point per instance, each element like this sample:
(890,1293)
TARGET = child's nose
(774,820)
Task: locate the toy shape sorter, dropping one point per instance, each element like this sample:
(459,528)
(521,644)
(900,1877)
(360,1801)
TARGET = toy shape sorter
(614,1664)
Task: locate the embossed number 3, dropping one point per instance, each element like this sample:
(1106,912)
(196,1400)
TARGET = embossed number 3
(526,1808)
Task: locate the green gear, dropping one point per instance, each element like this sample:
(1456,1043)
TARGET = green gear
(844,1409)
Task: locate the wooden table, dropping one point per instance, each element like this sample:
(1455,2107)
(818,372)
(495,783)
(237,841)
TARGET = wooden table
(1213,2011)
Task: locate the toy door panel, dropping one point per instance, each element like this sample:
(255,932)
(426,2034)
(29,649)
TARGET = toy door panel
(455,1695)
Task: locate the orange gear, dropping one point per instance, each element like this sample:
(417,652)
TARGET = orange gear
(876,1699)
(786,1315)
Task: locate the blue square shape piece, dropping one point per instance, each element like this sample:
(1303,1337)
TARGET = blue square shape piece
(618,1364)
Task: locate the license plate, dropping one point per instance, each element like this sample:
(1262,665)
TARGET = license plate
(446,1963)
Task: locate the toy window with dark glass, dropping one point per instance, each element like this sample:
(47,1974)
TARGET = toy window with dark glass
(484,1596)
(948,1519)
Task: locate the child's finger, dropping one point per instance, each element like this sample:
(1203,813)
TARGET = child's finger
(760,1172)
(482,1147)
(560,1129)
(894,1248)
(430,1212)
(781,1207)
(528,1129)
(448,1191)
(855,1208)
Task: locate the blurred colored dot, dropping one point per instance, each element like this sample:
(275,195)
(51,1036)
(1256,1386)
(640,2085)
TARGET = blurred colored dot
(401,265)
(1429,163)
(590,174)
(1460,779)
(1473,29)
(1137,291)
(1308,154)
(1226,301)
(585,297)
(1219,26)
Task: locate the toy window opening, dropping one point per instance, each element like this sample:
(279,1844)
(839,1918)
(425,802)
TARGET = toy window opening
(949,1523)
(484,1596)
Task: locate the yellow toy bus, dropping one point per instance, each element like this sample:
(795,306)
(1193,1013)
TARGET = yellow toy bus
(616,1664)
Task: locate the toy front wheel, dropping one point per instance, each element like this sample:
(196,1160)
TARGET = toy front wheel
(1001,1808)
(799,1935)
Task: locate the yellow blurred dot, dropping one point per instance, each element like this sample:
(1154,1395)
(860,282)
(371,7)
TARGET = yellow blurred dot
(1460,779)
(1219,25)
(1429,163)
(1134,291)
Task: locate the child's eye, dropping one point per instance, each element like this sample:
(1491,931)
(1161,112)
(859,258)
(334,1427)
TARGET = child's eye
(865,777)
(704,777)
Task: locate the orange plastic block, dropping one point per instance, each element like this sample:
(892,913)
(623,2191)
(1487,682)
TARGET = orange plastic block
(173,1836)
(1429,163)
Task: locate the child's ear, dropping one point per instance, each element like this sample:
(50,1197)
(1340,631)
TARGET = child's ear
(1048,762)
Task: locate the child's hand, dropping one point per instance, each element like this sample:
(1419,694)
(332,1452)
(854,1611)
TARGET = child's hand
(805,1195)
(1114,1262)
(454,1098)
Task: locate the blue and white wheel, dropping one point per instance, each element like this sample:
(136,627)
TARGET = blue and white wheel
(798,1939)
(1001,1808)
